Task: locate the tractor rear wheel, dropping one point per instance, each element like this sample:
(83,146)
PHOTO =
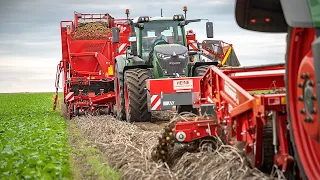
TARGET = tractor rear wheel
(302,101)
(136,104)
(119,91)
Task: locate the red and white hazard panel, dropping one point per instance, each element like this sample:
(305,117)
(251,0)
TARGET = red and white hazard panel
(122,48)
(155,102)
(70,96)
(193,46)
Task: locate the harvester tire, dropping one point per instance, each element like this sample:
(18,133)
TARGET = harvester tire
(120,112)
(267,149)
(136,95)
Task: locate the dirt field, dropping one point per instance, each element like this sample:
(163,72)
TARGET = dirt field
(128,147)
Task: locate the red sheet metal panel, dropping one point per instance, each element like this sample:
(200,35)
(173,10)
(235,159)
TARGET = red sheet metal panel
(173,85)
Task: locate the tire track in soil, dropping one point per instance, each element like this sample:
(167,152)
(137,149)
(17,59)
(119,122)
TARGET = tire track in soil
(128,147)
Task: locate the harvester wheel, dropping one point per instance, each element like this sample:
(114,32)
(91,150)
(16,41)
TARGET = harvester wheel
(119,90)
(136,104)
(302,102)
(69,116)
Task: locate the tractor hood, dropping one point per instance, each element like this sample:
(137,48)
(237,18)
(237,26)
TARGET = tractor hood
(171,49)
(171,60)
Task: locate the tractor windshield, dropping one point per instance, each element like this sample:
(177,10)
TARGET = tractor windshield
(168,31)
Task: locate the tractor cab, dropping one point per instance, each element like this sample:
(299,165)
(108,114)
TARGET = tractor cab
(161,42)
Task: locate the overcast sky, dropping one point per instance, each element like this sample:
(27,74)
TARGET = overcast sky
(30,47)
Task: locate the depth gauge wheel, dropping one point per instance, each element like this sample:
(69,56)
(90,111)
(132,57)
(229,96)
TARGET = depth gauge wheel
(136,104)
(302,101)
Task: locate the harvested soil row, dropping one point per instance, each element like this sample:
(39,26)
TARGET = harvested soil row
(128,148)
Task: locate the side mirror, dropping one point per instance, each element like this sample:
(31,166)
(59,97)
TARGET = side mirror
(255,16)
(209,29)
(115,35)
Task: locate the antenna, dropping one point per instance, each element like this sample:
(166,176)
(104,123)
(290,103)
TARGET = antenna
(161,12)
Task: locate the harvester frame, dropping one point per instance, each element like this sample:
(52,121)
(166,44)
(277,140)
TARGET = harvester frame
(242,116)
(292,135)
(300,20)
(86,63)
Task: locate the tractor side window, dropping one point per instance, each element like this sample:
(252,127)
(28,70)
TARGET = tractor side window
(179,31)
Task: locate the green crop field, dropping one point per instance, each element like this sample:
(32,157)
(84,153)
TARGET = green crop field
(38,143)
(33,138)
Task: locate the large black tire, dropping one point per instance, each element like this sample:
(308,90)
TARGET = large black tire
(120,112)
(201,70)
(135,83)
(267,149)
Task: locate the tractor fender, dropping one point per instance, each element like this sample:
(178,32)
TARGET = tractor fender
(122,64)
(136,62)
(193,65)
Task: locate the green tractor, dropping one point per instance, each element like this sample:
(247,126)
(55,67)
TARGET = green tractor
(158,49)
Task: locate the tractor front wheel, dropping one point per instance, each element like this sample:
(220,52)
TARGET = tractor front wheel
(136,105)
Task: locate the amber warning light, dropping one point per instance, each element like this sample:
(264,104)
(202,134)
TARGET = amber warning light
(185,8)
